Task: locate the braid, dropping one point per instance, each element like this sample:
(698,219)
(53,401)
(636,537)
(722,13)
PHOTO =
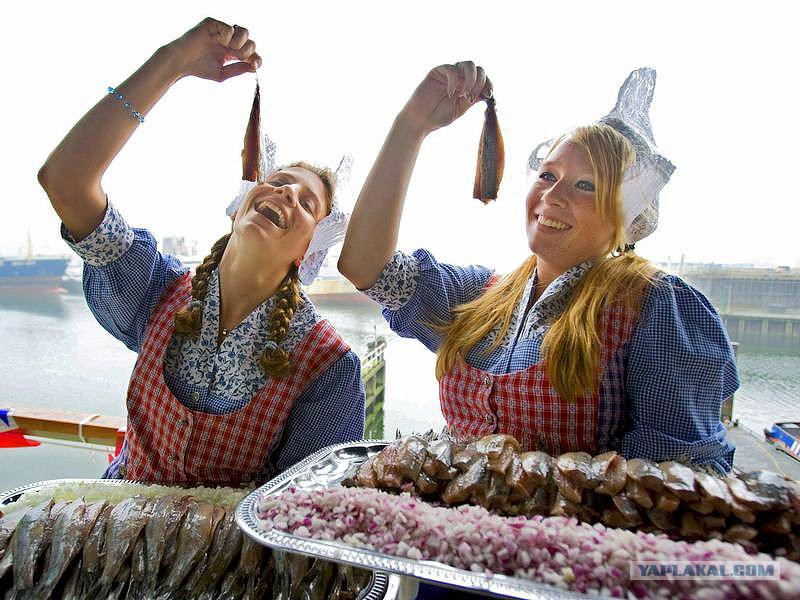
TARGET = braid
(274,361)
(189,319)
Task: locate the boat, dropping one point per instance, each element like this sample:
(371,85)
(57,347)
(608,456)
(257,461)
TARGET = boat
(786,437)
(32,270)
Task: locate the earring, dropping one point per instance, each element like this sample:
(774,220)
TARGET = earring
(297,262)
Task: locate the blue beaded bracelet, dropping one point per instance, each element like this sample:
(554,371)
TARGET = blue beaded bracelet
(125,104)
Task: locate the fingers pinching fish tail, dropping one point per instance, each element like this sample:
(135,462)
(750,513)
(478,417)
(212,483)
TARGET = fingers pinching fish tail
(464,84)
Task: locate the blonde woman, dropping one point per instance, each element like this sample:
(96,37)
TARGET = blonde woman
(238,376)
(585,346)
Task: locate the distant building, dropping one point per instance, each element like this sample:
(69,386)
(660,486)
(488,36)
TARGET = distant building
(179,246)
(774,290)
(759,306)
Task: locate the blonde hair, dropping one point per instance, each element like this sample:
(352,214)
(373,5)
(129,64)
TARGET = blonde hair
(273,360)
(571,346)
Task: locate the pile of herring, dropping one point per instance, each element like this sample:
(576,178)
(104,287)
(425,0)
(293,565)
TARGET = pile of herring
(175,545)
(758,510)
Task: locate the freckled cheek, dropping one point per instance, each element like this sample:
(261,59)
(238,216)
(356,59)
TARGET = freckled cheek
(600,231)
(584,212)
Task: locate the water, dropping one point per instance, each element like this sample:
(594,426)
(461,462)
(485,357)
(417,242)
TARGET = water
(770,390)
(53,354)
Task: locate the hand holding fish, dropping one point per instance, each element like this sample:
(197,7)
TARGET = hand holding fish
(445,94)
(73,172)
(214,50)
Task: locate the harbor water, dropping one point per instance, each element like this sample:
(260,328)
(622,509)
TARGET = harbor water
(53,354)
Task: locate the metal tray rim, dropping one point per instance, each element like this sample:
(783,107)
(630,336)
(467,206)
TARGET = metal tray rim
(432,571)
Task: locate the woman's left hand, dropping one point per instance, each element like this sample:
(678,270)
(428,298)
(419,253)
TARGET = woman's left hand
(214,50)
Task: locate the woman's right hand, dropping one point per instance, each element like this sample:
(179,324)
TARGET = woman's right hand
(208,49)
(445,94)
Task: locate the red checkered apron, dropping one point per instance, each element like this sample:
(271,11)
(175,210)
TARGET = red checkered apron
(168,442)
(525,405)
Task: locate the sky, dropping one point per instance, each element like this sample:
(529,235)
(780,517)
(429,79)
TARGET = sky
(336,73)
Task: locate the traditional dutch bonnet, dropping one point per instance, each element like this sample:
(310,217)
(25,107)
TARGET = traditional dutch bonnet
(643,181)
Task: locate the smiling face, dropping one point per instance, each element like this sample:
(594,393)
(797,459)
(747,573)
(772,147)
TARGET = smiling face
(280,215)
(564,224)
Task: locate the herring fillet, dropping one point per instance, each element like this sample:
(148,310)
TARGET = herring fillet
(250,152)
(160,530)
(93,553)
(759,510)
(70,531)
(225,547)
(111,541)
(491,157)
(8,523)
(27,543)
(125,521)
(194,539)
(171,536)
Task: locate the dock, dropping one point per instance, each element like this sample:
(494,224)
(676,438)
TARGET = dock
(760,308)
(763,331)
(753,453)
(373,374)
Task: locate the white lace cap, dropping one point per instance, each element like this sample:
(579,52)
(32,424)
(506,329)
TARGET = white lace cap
(642,182)
(328,232)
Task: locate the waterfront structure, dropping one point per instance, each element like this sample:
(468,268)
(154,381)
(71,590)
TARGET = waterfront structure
(773,291)
(760,308)
(373,373)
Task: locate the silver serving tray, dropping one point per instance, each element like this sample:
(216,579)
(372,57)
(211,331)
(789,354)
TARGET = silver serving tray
(381,587)
(327,468)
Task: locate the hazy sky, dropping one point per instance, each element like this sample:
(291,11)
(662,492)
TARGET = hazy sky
(336,73)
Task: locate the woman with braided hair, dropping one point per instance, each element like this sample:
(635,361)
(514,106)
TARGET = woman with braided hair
(237,375)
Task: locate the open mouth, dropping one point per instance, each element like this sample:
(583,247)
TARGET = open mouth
(552,223)
(272,212)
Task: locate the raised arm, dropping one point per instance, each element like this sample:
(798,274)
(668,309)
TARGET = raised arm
(72,174)
(444,95)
